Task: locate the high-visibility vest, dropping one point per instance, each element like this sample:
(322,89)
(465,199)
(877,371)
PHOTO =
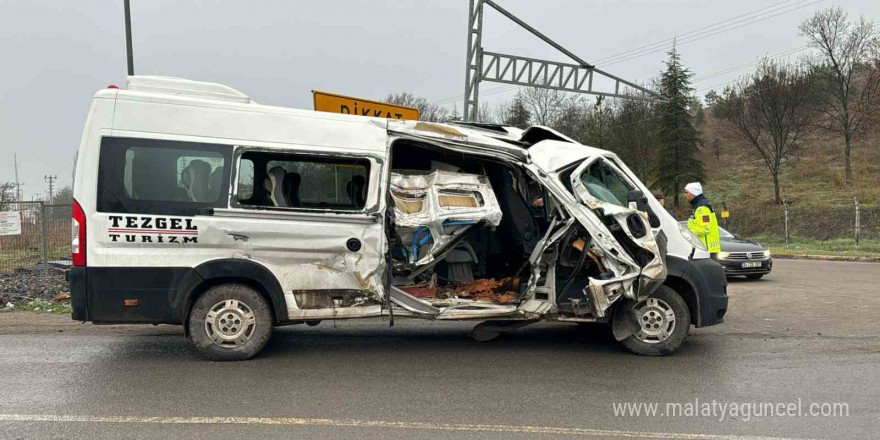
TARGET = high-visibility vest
(704,224)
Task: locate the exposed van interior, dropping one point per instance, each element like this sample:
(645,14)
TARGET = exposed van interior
(480,257)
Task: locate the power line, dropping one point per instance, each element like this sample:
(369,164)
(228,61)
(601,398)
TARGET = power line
(743,66)
(698,79)
(697,35)
(691,40)
(700,31)
(698,91)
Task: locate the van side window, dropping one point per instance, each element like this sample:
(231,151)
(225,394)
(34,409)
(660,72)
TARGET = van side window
(148,176)
(300,181)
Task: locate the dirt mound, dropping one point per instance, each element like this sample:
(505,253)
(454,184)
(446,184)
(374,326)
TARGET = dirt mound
(39,283)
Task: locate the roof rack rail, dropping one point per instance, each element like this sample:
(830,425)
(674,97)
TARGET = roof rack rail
(185,87)
(484,125)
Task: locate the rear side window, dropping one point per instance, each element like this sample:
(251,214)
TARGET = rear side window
(299,181)
(148,176)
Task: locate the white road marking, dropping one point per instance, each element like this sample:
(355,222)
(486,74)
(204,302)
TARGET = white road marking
(297,421)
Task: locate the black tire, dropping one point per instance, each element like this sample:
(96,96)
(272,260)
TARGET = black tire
(245,340)
(755,276)
(679,331)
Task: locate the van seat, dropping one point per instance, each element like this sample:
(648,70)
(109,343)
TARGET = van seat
(196,181)
(355,190)
(274,185)
(215,181)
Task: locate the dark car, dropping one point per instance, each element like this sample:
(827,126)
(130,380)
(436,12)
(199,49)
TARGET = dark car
(743,257)
(739,256)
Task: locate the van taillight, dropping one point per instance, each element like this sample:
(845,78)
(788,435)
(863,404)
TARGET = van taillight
(78,233)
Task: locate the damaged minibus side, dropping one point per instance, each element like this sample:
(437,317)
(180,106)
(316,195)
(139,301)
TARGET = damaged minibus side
(596,270)
(196,206)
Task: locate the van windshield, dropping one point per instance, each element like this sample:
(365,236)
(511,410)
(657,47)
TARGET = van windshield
(605,184)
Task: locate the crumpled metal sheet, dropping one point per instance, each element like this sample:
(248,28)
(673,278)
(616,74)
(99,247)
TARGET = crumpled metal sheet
(430,207)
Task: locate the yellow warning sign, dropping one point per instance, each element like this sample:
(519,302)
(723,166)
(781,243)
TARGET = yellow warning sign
(332,103)
(725,214)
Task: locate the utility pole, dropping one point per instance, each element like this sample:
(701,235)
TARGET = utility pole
(51,181)
(17,184)
(128,50)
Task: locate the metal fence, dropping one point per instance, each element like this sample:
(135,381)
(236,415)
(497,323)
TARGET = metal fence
(42,235)
(817,223)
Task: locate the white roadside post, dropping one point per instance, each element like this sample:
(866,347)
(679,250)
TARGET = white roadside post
(858,222)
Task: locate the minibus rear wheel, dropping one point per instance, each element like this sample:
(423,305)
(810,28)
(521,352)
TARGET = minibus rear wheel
(230,322)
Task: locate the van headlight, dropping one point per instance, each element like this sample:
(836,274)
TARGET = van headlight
(691,237)
(767,253)
(723,255)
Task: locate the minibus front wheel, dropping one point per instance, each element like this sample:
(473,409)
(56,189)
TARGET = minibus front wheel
(661,323)
(230,322)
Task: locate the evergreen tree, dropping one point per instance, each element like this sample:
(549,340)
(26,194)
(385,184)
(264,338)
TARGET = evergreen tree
(679,140)
(711,97)
(518,115)
(599,124)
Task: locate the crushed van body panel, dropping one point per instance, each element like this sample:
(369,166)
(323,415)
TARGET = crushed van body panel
(431,208)
(308,262)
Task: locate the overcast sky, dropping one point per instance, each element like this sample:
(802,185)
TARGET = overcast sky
(55,54)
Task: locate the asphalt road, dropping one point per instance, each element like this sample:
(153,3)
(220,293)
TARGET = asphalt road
(808,333)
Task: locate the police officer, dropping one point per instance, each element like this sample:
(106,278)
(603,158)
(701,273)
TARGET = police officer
(702,221)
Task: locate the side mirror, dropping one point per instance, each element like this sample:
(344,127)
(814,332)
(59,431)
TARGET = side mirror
(636,196)
(637,200)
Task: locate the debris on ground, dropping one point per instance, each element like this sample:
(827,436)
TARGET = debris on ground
(502,291)
(40,283)
(421,290)
(486,287)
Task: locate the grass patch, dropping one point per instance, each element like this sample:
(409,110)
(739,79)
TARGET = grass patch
(40,306)
(845,247)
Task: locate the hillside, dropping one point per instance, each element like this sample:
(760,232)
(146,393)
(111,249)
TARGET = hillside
(821,203)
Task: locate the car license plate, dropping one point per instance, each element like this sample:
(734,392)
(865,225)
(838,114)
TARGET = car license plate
(749,264)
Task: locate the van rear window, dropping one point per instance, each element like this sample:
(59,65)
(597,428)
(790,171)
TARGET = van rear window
(148,176)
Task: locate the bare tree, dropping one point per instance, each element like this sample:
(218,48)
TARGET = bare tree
(484,114)
(770,112)
(516,113)
(634,136)
(544,105)
(501,113)
(598,124)
(64,196)
(7,194)
(427,111)
(716,147)
(849,86)
(572,119)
